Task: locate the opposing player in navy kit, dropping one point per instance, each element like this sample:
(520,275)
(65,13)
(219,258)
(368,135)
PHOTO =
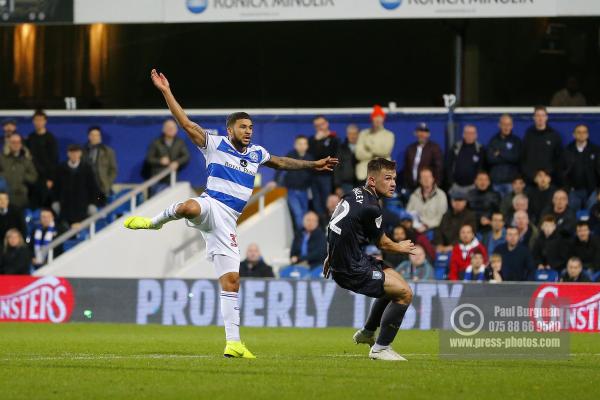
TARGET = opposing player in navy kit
(355,223)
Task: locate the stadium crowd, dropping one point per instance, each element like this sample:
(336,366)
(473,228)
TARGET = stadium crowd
(513,209)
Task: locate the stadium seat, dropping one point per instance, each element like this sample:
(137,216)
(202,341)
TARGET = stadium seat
(123,208)
(595,276)
(546,275)
(69,244)
(441,263)
(295,272)
(583,215)
(316,272)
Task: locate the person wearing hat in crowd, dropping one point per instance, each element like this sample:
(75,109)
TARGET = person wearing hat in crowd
(75,189)
(373,142)
(446,235)
(421,154)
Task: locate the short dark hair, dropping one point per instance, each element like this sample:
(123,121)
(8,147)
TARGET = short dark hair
(234,117)
(498,213)
(581,124)
(74,147)
(483,172)
(94,128)
(378,164)
(545,171)
(540,107)
(320,116)
(579,223)
(476,252)
(39,113)
(518,177)
(548,218)
(512,227)
(301,137)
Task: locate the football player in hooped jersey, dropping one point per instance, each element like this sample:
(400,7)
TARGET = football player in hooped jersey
(356,223)
(232,163)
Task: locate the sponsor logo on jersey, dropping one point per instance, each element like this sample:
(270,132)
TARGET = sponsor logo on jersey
(233,238)
(244,163)
(378,221)
(377,274)
(29,299)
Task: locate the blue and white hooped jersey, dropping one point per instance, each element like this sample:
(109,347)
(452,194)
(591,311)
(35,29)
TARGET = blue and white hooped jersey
(231,173)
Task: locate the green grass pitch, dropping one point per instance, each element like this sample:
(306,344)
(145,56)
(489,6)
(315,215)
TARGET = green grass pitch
(105,361)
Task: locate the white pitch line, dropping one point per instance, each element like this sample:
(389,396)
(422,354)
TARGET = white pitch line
(108,357)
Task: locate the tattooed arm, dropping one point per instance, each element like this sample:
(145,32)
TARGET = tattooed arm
(324,164)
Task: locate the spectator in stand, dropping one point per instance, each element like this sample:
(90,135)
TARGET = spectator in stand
(168,150)
(465,159)
(460,258)
(422,154)
(344,175)
(297,182)
(542,147)
(330,205)
(446,235)
(496,235)
(322,145)
(76,189)
(417,237)
(416,268)
(574,272)
(586,247)
(581,169)
(44,151)
(570,96)
(428,203)
(519,203)
(563,215)
(528,232)
(483,200)
(550,249)
(399,234)
(254,266)
(493,272)
(43,235)
(503,155)
(476,269)
(540,196)
(373,142)
(595,215)
(310,244)
(506,205)
(103,162)
(10,217)
(18,171)
(9,126)
(517,263)
(16,259)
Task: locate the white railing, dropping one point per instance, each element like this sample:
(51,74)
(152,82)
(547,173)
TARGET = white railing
(90,223)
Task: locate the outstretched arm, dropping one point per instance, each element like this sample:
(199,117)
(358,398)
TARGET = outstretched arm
(324,164)
(192,129)
(387,244)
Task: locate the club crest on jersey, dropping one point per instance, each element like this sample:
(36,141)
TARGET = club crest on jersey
(253,156)
(378,221)
(233,240)
(243,163)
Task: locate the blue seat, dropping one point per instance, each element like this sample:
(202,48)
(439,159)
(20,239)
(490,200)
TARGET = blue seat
(294,272)
(69,244)
(123,208)
(317,272)
(440,266)
(546,275)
